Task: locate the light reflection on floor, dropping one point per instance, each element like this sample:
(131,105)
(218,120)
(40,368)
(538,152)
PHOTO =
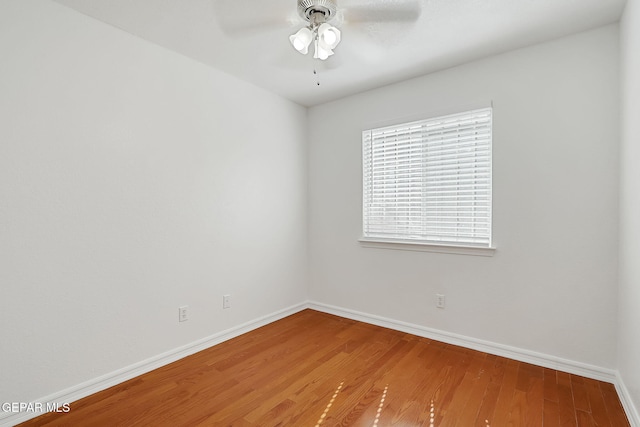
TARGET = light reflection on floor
(326,410)
(384,395)
(432,408)
(432,414)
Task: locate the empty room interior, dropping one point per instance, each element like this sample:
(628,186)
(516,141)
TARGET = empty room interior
(211,212)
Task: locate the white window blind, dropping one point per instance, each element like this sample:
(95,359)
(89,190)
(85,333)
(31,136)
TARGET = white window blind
(429,181)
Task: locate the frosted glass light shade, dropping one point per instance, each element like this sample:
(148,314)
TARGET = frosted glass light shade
(321,50)
(301,40)
(329,36)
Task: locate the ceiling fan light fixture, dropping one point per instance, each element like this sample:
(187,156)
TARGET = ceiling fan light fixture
(322,51)
(324,36)
(301,40)
(329,35)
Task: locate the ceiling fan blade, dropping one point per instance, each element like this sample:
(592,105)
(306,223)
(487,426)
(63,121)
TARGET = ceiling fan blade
(390,11)
(250,17)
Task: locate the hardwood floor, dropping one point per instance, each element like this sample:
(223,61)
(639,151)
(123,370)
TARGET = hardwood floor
(314,369)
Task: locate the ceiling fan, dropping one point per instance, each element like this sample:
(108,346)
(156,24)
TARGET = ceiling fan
(321,20)
(325,37)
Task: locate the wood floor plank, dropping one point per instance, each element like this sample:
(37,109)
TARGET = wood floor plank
(405,375)
(420,409)
(584,418)
(568,416)
(550,385)
(596,403)
(318,370)
(612,403)
(534,393)
(360,388)
(551,414)
(477,383)
(444,394)
(580,399)
(503,405)
(428,379)
(517,409)
(490,398)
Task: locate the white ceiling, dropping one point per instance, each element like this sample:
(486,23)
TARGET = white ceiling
(249,38)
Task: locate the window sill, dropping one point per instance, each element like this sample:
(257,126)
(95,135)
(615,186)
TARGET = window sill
(425,247)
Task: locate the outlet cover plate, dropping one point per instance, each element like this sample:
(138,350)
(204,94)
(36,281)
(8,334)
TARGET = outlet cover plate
(183,314)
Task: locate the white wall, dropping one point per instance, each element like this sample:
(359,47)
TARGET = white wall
(132,181)
(551,286)
(629,332)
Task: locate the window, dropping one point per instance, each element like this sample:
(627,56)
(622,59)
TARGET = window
(429,181)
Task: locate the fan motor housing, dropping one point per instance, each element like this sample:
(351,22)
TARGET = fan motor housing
(306,8)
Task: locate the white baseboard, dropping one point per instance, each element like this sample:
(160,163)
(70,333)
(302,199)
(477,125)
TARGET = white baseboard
(116,377)
(627,402)
(539,359)
(101,383)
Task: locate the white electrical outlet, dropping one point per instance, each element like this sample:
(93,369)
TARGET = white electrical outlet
(439,300)
(183,314)
(226,301)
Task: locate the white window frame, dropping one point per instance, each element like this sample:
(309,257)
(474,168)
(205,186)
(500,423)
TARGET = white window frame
(427,184)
